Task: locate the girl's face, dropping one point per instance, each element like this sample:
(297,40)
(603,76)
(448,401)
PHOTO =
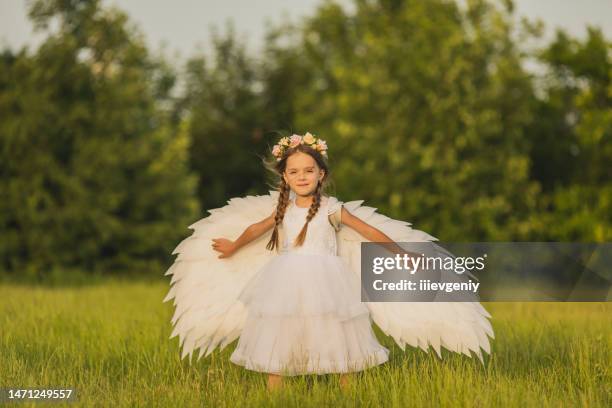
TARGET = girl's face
(302,173)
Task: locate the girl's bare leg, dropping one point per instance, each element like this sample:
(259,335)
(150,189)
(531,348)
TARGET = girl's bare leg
(274,382)
(345,380)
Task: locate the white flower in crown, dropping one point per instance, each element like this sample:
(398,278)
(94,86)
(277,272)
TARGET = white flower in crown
(294,140)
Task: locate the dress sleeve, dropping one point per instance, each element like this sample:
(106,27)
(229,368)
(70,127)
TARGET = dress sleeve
(333,205)
(334,213)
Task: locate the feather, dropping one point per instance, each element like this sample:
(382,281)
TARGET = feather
(207,314)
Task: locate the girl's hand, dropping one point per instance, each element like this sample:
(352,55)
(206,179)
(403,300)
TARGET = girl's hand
(225,246)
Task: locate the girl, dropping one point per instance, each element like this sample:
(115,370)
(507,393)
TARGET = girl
(288,285)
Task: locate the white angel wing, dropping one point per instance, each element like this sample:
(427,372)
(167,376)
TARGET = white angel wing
(205,288)
(461,327)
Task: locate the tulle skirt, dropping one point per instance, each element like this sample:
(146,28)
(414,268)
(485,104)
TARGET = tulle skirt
(305,317)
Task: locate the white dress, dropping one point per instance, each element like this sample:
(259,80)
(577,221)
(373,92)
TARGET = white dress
(304,310)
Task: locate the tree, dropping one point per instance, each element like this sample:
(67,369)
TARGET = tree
(94,174)
(227,122)
(572,152)
(425,106)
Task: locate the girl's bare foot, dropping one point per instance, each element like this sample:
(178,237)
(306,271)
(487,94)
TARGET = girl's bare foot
(345,381)
(274,382)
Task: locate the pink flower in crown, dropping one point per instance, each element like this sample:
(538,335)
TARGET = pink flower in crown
(276,150)
(295,140)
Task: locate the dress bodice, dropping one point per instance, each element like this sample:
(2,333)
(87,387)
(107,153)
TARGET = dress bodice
(320,236)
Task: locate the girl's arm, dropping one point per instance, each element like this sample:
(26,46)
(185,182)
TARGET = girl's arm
(371,233)
(253,231)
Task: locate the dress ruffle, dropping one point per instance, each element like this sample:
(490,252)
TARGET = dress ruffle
(305,316)
(308,345)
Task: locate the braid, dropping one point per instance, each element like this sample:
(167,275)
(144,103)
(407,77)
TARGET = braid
(281,206)
(312,211)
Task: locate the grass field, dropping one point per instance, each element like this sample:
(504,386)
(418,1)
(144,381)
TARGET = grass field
(110,342)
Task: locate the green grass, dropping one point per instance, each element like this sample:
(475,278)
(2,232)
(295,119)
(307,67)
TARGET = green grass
(110,342)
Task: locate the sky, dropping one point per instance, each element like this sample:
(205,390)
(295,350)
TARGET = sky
(182,27)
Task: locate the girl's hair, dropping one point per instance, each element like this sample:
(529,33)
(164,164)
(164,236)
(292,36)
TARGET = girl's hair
(283,198)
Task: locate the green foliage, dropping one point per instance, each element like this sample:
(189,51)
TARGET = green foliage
(429,113)
(572,148)
(94,174)
(228,122)
(432,118)
(425,106)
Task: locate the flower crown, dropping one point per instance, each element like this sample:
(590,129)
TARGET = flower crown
(288,142)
